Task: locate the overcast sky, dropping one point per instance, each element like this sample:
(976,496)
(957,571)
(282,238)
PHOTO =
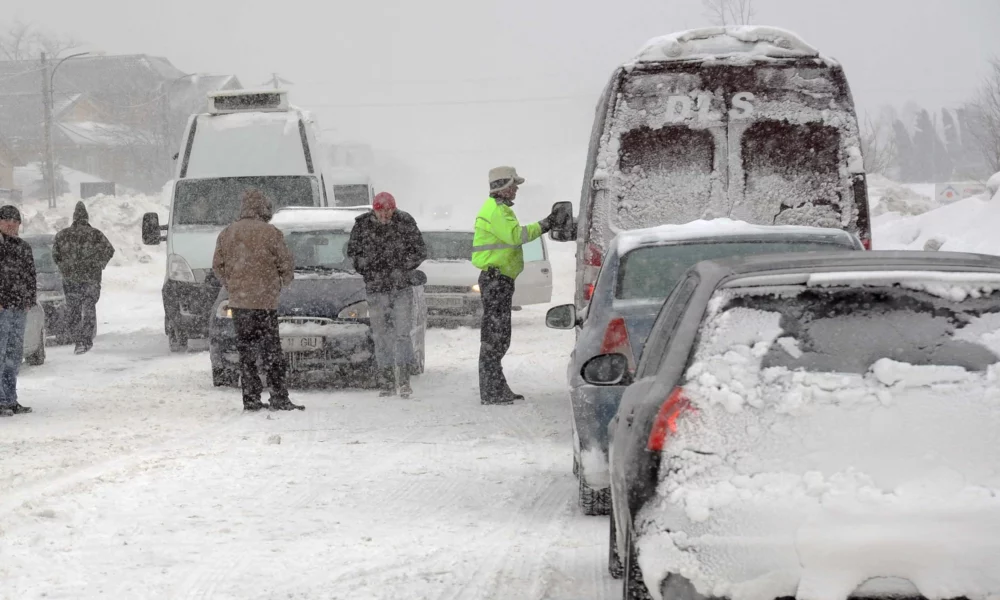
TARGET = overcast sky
(547,60)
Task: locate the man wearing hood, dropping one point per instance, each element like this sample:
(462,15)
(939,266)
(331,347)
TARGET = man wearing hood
(81,252)
(253,262)
(386,247)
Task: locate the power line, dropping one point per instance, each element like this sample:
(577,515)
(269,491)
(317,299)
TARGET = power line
(456,102)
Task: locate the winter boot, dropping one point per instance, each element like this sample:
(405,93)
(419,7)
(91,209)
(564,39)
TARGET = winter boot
(81,349)
(284,404)
(403,381)
(252,404)
(6,412)
(387,383)
(21,410)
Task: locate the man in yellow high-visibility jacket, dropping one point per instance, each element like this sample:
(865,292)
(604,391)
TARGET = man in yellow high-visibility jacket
(496,251)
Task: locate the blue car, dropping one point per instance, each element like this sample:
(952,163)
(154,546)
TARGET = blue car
(640,269)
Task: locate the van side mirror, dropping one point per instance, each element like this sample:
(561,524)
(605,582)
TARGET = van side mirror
(607,369)
(151,229)
(561,317)
(564,227)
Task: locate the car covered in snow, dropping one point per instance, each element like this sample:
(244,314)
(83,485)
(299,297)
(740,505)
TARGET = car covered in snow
(815,425)
(640,270)
(323,313)
(452,288)
(750,123)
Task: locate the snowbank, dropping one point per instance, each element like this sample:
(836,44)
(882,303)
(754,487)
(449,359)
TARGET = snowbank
(119,217)
(887,196)
(968,225)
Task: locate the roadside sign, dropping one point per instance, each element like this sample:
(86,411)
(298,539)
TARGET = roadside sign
(957,190)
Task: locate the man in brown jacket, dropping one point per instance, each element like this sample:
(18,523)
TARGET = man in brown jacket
(254,263)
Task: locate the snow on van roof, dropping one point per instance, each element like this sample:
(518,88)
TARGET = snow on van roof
(747,43)
(627,241)
(309,218)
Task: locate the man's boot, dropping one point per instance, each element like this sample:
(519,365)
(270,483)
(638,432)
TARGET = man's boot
(403,371)
(283,403)
(386,383)
(252,404)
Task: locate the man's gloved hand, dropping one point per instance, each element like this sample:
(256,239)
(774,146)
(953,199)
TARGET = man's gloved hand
(546,224)
(398,278)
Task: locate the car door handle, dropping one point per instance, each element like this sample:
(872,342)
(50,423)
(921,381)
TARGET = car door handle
(545,271)
(628,420)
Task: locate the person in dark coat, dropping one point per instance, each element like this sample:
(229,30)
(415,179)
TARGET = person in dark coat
(387,247)
(81,252)
(18,295)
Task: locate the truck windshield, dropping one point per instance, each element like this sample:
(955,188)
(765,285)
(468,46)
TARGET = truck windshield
(217,201)
(351,195)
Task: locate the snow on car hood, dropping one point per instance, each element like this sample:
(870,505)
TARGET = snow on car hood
(786,481)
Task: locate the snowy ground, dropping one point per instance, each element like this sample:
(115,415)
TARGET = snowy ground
(135,478)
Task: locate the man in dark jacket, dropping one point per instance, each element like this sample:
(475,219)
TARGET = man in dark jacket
(81,252)
(253,261)
(18,292)
(386,247)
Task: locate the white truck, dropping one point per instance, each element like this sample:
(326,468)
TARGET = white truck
(247,139)
(350,187)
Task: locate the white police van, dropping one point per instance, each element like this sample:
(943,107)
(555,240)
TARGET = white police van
(247,139)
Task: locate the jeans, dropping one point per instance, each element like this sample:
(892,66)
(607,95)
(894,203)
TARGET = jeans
(257,335)
(498,295)
(81,310)
(392,320)
(12,324)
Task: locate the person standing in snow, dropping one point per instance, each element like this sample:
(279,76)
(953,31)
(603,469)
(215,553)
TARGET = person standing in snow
(496,251)
(82,253)
(386,247)
(18,294)
(253,262)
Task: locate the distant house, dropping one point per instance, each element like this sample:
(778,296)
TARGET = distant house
(116,117)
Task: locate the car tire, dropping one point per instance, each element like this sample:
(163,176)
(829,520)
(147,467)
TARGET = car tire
(594,502)
(615,567)
(177,339)
(38,357)
(225,378)
(633,585)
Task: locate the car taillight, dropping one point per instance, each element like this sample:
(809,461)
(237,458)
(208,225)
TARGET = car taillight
(593,256)
(588,292)
(867,243)
(666,419)
(616,341)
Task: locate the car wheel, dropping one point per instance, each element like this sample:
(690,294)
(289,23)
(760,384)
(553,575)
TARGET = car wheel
(633,586)
(38,357)
(614,561)
(225,378)
(177,339)
(594,502)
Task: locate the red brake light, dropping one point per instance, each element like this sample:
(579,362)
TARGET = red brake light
(588,292)
(666,419)
(615,337)
(867,243)
(592,257)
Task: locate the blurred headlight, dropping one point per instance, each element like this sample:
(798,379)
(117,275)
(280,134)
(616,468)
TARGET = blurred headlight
(178,269)
(51,296)
(224,311)
(475,288)
(358,310)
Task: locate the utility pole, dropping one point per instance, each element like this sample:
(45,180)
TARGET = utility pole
(47,101)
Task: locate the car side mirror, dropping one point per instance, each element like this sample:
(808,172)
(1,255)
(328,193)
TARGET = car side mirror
(607,369)
(151,229)
(561,317)
(564,227)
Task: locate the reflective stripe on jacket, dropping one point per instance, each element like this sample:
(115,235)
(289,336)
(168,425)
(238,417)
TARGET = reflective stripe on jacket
(499,237)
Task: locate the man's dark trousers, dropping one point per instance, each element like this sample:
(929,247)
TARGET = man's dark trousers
(257,337)
(498,295)
(81,310)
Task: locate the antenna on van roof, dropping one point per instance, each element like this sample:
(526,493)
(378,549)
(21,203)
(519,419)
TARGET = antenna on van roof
(276,81)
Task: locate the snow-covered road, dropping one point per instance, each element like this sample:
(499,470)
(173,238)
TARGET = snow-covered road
(135,478)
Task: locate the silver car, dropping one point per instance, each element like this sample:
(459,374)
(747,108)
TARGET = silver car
(639,271)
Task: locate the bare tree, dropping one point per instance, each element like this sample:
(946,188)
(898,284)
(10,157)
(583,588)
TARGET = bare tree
(729,12)
(23,41)
(878,146)
(984,117)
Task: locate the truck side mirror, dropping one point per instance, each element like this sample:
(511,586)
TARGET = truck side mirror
(151,229)
(564,227)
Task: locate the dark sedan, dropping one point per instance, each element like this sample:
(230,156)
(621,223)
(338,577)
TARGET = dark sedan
(323,314)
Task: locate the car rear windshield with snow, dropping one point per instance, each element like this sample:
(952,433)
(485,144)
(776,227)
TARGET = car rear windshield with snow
(218,201)
(831,435)
(764,143)
(653,271)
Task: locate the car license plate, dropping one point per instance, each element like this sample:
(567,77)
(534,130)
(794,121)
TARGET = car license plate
(446,301)
(301,344)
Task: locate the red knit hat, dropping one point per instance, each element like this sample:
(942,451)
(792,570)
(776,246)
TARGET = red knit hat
(384,201)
